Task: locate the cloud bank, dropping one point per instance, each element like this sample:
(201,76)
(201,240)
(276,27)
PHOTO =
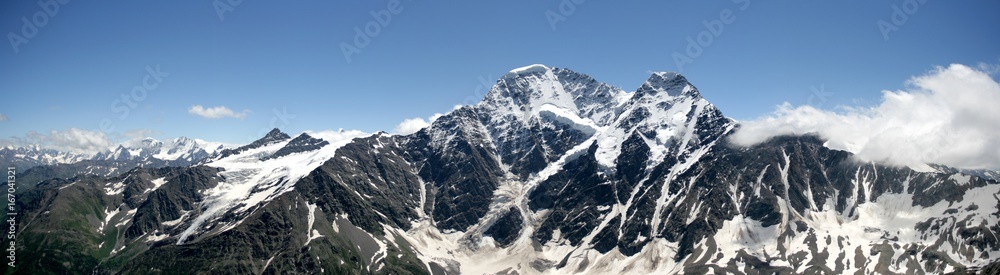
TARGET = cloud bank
(73,140)
(217,112)
(412,125)
(950,116)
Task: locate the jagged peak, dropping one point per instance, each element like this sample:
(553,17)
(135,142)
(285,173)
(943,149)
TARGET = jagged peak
(147,142)
(672,83)
(272,136)
(183,140)
(539,84)
(301,143)
(276,134)
(668,75)
(303,136)
(544,72)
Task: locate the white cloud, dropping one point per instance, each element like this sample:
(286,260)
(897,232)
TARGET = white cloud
(949,116)
(217,112)
(412,125)
(138,134)
(73,140)
(3,117)
(434,117)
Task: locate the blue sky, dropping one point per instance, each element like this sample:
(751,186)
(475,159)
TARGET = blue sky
(267,57)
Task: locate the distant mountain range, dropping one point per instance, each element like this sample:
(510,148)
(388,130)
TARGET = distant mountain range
(181,151)
(552,172)
(27,157)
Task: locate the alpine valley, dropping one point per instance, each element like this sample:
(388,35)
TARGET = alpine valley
(552,172)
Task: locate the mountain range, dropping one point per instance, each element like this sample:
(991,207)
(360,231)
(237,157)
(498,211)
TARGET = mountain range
(31,156)
(182,149)
(552,172)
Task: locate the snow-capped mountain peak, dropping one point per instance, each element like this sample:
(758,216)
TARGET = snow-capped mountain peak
(525,92)
(181,150)
(527,89)
(553,172)
(671,83)
(259,172)
(144,143)
(272,137)
(275,134)
(34,155)
(526,70)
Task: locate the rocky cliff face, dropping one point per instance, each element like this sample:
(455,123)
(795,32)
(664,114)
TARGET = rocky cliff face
(553,172)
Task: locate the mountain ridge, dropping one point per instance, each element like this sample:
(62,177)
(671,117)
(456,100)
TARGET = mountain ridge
(553,172)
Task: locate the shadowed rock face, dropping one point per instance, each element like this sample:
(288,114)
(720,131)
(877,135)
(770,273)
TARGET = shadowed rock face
(563,173)
(273,136)
(507,229)
(301,143)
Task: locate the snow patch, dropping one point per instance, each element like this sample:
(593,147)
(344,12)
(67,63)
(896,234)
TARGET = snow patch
(113,188)
(250,182)
(311,233)
(564,116)
(534,68)
(156,184)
